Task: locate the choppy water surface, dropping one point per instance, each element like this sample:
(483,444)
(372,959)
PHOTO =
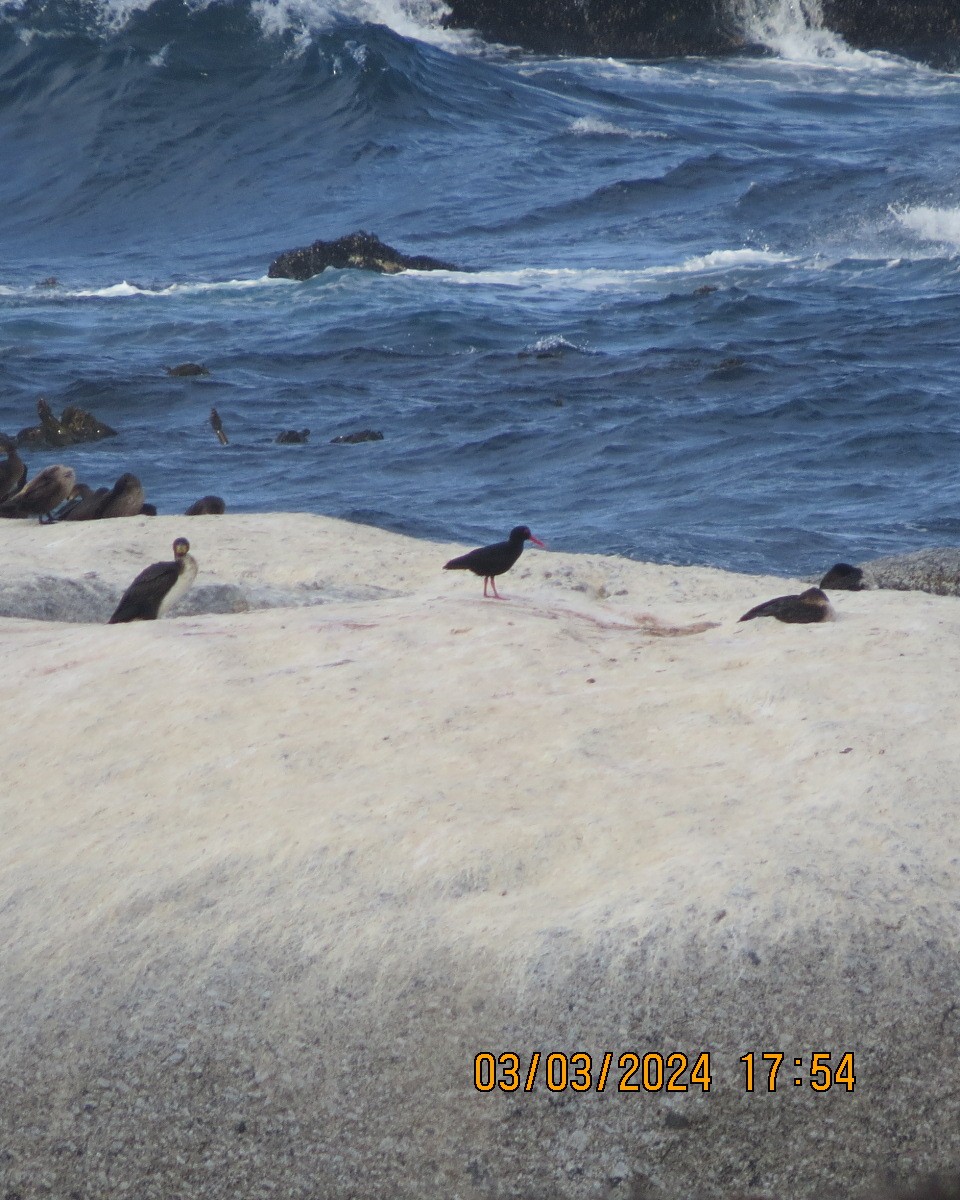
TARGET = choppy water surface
(709,310)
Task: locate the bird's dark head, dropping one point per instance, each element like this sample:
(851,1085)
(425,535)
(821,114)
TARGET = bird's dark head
(521,533)
(180,547)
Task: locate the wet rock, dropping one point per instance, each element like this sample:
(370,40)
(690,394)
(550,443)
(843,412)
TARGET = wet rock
(187,370)
(925,29)
(74,426)
(362,435)
(363,251)
(290,437)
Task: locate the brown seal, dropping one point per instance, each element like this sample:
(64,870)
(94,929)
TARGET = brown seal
(810,606)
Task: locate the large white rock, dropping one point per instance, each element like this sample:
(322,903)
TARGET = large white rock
(270,881)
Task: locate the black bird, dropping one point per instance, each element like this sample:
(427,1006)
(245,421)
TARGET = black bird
(46,491)
(489,561)
(843,578)
(13,473)
(810,606)
(157,587)
(206,506)
(217,426)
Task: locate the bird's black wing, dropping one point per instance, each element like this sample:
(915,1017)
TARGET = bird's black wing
(141,601)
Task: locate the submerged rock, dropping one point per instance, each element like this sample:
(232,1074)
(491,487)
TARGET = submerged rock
(364,251)
(362,435)
(187,370)
(292,437)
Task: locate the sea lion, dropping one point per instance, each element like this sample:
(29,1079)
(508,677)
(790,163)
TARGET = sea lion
(46,491)
(88,502)
(291,437)
(809,607)
(157,587)
(124,499)
(842,577)
(206,506)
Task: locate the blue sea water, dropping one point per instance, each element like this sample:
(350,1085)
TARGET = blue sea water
(709,310)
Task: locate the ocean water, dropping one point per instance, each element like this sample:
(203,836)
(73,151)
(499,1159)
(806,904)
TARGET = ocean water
(708,310)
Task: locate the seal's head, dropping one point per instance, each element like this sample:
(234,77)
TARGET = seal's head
(842,577)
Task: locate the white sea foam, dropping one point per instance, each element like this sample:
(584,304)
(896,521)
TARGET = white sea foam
(419,19)
(795,29)
(932,224)
(593,279)
(594,126)
(124,289)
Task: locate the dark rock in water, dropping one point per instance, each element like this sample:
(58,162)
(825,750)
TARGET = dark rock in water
(83,426)
(362,435)
(290,437)
(925,29)
(364,251)
(50,282)
(207,506)
(187,370)
(74,426)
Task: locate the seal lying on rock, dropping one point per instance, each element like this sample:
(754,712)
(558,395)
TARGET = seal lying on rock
(46,491)
(124,499)
(206,506)
(810,606)
(363,251)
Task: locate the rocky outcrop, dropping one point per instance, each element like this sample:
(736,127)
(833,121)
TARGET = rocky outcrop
(623,28)
(73,426)
(928,29)
(925,29)
(364,251)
